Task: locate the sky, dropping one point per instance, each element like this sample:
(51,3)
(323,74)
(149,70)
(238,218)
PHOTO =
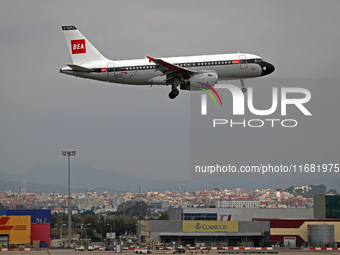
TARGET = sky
(138,130)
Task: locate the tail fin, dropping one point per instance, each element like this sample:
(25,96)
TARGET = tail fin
(81,49)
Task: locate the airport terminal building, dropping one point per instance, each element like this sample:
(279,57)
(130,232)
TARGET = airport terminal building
(205,233)
(259,232)
(233,227)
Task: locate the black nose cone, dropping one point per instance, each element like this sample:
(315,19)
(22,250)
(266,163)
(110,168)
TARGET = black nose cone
(266,68)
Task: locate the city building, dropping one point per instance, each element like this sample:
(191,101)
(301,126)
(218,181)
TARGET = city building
(115,201)
(238,203)
(88,203)
(326,206)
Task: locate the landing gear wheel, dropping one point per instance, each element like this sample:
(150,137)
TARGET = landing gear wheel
(244,90)
(173,94)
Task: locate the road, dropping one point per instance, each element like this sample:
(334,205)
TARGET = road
(72,252)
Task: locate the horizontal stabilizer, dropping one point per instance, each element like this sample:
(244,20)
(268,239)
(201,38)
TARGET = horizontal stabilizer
(79,68)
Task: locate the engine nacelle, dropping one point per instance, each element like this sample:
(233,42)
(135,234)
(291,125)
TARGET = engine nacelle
(197,81)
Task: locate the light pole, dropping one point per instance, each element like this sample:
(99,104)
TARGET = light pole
(137,232)
(111,235)
(101,232)
(69,154)
(61,234)
(87,242)
(110,226)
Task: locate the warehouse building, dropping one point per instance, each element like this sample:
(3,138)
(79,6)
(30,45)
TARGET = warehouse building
(221,227)
(293,233)
(19,227)
(15,230)
(205,233)
(304,232)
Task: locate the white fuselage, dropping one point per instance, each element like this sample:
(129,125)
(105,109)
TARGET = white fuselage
(144,72)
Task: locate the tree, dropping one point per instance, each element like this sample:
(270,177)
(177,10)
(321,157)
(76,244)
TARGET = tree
(320,189)
(316,189)
(125,224)
(332,191)
(138,209)
(298,192)
(164,216)
(76,220)
(290,189)
(64,217)
(54,220)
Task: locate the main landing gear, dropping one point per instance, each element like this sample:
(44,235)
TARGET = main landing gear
(174,92)
(244,90)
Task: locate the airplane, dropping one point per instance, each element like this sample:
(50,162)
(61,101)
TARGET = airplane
(187,72)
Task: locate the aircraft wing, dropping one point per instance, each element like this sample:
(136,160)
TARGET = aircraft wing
(167,68)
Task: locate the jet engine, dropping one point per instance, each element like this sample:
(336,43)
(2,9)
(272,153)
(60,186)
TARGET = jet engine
(197,81)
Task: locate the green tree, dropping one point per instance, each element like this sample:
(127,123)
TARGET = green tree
(316,189)
(333,191)
(164,216)
(54,220)
(290,189)
(298,192)
(64,217)
(139,208)
(125,224)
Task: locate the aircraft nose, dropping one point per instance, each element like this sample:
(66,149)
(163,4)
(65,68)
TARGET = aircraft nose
(266,68)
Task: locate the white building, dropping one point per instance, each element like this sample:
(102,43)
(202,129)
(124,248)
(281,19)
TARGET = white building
(238,204)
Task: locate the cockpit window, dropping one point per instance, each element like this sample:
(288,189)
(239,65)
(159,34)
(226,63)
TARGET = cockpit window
(258,60)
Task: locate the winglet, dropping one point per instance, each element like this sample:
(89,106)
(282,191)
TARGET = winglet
(150,59)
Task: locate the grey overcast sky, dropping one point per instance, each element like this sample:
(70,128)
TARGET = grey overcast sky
(130,129)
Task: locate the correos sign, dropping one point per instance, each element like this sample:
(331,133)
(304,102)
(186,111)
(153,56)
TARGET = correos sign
(210,226)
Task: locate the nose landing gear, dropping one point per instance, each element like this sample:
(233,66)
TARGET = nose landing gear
(244,90)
